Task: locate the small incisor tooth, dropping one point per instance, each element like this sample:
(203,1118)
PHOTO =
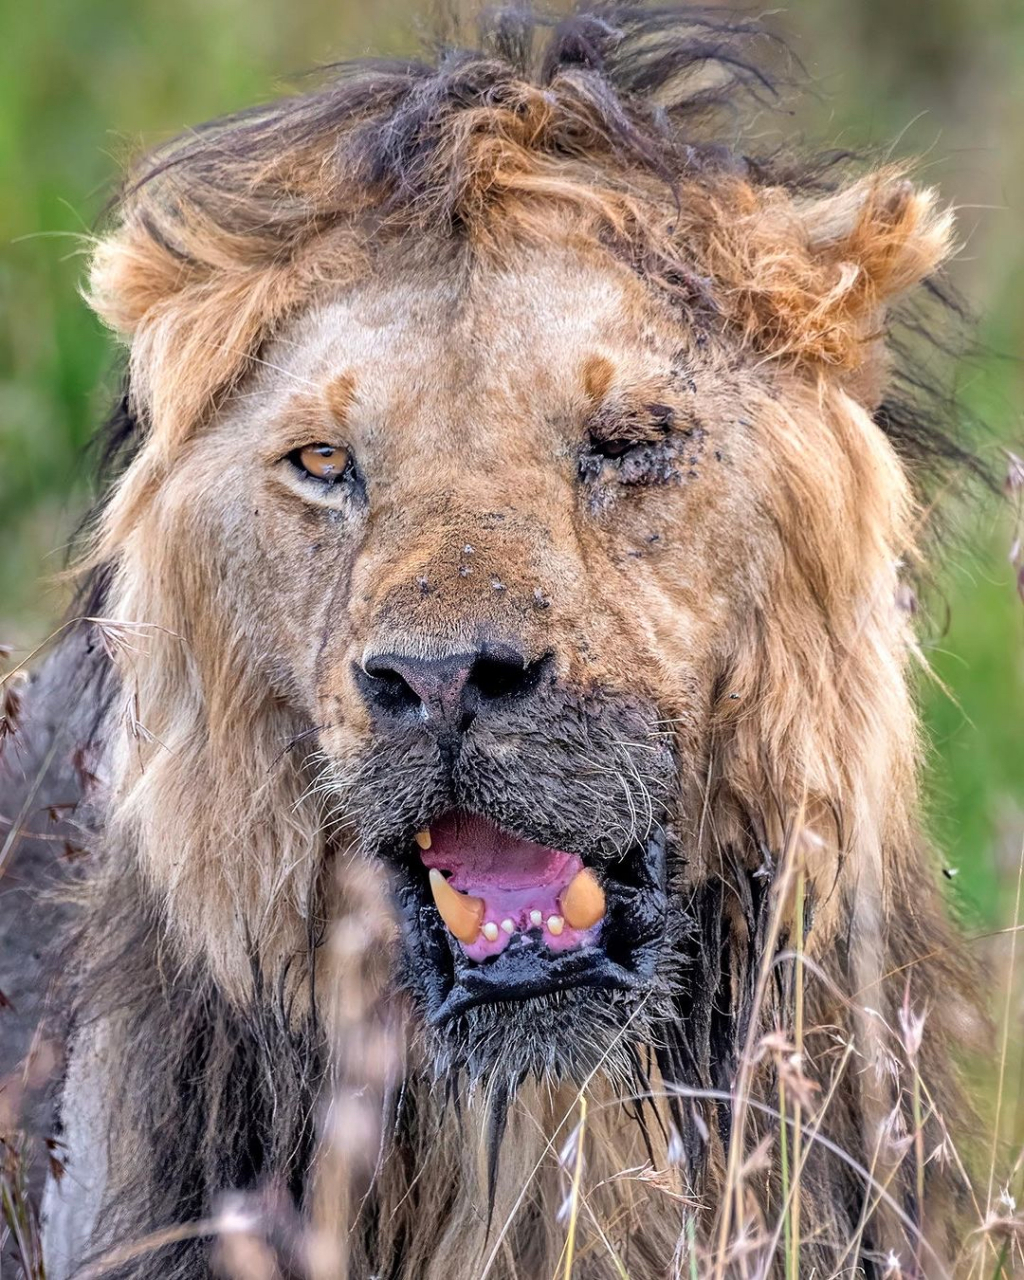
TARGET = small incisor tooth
(555,925)
(461,912)
(582,900)
(423,839)
(491,931)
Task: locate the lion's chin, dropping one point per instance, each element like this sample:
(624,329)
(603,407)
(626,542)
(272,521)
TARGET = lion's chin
(458,963)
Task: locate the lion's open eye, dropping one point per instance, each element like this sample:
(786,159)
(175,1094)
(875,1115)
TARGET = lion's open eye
(323,461)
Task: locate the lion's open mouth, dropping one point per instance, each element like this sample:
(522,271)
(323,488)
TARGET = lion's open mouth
(493,916)
(500,885)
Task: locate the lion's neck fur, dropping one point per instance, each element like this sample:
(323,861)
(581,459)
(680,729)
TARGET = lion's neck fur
(633,1208)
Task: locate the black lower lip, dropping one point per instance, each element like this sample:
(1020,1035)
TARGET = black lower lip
(624,958)
(525,970)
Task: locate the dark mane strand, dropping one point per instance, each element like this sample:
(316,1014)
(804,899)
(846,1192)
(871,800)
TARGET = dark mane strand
(112,449)
(921,412)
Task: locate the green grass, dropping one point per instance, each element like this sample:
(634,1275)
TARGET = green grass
(977,734)
(88,83)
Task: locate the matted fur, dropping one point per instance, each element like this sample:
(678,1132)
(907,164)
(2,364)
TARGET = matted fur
(590,149)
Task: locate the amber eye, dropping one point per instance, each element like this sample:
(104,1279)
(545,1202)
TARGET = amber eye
(324,461)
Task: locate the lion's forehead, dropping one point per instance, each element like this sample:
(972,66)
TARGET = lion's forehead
(514,334)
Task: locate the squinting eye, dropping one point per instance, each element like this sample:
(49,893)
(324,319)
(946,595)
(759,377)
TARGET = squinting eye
(612,448)
(324,461)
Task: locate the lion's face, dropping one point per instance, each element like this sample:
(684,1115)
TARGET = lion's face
(492,540)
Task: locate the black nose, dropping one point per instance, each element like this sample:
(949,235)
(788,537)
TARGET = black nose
(447,693)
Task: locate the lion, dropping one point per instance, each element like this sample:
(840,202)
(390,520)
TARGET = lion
(493,712)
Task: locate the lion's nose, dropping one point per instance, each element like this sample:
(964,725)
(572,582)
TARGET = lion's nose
(447,693)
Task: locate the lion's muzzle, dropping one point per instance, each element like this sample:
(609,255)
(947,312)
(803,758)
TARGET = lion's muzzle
(523,820)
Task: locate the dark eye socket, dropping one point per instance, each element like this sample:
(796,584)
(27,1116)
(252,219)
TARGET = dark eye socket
(603,448)
(325,462)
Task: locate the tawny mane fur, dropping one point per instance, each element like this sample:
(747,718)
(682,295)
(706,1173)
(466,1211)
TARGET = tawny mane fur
(776,651)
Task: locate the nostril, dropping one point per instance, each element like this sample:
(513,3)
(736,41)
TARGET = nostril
(448,692)
(494,678)
(499,675)
(391,691)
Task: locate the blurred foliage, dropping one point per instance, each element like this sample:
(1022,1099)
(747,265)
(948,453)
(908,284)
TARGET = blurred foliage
(87,84)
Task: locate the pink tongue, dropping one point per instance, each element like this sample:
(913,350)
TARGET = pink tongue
(487,862)
(514,877)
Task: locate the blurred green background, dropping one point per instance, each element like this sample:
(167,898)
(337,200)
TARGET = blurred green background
(88,82)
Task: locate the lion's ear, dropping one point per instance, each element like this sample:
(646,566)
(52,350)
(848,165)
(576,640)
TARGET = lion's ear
(821,272)
(894,233)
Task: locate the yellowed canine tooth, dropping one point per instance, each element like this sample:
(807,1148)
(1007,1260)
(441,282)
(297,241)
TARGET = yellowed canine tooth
(582,900)
(461,912)
(423,839)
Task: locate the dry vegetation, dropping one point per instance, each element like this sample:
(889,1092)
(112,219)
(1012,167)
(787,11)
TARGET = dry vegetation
(261,1237)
